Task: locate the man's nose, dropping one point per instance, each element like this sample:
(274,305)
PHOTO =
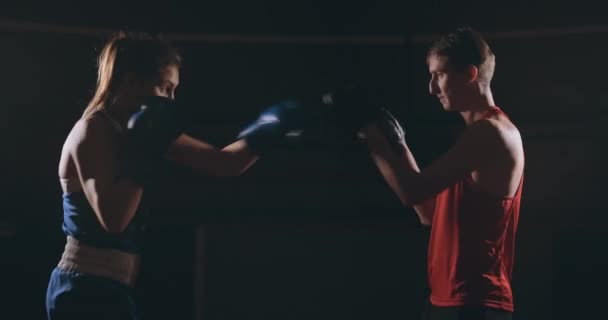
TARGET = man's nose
(433,89)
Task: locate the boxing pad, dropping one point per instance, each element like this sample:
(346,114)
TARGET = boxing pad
(351,107)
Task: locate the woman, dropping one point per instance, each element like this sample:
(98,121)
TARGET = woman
(101,181)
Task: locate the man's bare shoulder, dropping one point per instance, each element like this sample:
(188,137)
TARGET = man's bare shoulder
(498,131)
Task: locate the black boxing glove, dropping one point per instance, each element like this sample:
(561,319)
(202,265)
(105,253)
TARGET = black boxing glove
(392,130)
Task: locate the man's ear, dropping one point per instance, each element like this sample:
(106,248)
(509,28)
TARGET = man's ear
(472,73)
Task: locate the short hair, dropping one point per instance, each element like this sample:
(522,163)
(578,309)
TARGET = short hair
(464,47)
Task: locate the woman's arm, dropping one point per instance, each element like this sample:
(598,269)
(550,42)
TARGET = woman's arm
(232,160)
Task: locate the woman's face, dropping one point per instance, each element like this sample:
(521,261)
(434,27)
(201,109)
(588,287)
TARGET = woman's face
(166,83)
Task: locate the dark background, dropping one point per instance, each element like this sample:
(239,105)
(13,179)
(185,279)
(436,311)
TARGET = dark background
(312,233)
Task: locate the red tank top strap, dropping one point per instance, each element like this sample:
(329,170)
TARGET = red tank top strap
(494,110)
(521,183)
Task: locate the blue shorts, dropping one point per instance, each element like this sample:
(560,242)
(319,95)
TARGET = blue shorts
(74,295)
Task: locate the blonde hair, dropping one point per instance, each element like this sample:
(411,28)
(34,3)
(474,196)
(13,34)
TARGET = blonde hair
(139,53)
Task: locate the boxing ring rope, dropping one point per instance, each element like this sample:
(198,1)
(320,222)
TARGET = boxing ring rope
(380,40)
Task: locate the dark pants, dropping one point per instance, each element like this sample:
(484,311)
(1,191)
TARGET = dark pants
(73,295)
(465,313)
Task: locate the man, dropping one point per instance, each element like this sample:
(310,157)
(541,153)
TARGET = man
(470,196)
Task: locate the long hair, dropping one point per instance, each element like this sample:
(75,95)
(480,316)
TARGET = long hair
(142,54)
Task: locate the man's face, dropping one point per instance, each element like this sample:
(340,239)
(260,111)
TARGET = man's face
(448,84)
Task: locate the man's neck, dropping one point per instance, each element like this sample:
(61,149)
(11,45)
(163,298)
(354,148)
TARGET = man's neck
(478,107)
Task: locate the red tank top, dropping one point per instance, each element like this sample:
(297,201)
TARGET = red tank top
(471,249)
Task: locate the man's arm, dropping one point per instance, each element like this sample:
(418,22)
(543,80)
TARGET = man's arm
(476,148)
(389,166)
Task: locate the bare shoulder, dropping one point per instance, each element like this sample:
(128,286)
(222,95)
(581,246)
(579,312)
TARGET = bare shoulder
(485,133)
(92,129)
(497,131)
(505,139)
(509,133)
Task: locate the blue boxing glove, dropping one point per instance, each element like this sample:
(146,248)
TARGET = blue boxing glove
(150,132)
(279,126)
(158,123)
